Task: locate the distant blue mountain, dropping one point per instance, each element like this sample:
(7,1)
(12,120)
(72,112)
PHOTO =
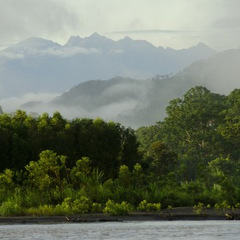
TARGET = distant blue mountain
(135,102)
(38,65)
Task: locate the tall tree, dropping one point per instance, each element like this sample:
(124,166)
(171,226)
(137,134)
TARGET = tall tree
(48,175)
(190,128)
(230,127)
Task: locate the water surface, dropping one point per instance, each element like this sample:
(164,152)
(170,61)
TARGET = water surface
(125,230)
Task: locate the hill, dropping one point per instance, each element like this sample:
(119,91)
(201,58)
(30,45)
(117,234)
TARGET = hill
(137,103)
(38,65)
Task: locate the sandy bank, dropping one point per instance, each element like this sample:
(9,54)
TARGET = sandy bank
(185,213)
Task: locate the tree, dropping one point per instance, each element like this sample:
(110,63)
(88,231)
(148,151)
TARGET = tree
(5,141)
(230,127)
(6,183)
(224,173)
(19,140)
(163,160)
(81,172)
(48,176)
(148,135)
(190,128)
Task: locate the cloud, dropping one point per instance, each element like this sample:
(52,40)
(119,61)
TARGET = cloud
(177,21)
(21,19)
(13,103)
(117,102)
(11,55)
(160,31)
(69,51)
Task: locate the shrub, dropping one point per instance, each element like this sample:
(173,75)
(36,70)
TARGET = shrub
(237,205)
(81,205)
(120,209)
(68,206)
(96,208)
(152,207)
(144,206)
(10,208)
(199,209)
(45,210)
(64,208)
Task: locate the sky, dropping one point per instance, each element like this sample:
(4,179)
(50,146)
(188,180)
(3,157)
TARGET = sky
(172,23)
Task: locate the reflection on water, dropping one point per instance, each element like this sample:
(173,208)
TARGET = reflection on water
(126,230)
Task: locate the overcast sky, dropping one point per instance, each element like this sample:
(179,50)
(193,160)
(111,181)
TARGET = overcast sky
(172,23)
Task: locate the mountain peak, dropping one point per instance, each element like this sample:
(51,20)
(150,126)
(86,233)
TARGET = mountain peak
(37,42)
(96,35)
(33,45)
(97,41)
(128,42)
(203,46)
(73,41)
(126,39)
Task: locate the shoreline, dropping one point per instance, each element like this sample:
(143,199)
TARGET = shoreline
(177,214)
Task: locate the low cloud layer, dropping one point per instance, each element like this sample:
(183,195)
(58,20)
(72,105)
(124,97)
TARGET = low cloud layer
(173,23)
(13,103)
(117,102)
(27,18)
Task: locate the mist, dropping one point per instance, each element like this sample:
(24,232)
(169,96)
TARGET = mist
(220,73)
(132,102)
(118,101)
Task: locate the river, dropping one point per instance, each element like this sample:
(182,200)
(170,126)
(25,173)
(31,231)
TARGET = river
(202,230)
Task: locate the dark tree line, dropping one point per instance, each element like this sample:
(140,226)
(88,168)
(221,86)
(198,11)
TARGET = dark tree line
(23,137)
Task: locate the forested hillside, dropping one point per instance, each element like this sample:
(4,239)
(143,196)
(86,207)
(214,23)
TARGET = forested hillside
(137,103)
(51,165)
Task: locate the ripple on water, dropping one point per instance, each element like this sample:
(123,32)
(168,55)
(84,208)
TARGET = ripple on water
(167,230)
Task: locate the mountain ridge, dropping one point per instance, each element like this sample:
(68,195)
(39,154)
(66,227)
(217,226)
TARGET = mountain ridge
(149,98)
(37,65)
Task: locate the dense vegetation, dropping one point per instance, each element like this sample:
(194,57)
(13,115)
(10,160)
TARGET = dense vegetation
(50,165)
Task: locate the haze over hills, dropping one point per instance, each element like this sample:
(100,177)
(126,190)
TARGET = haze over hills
(39,65)
(42,70)
(138,103)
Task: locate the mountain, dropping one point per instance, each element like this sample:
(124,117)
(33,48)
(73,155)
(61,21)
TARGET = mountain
(42,66)
(220,73)
(38,65)
(138,103)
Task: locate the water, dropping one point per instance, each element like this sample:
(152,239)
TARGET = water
(189,230)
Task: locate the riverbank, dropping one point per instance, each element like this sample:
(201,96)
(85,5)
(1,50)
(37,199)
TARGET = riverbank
(185,213)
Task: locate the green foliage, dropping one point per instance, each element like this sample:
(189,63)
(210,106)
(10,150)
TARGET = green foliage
(96,208)
(200,208)
(189,159)
(229,128)
(10,208)
(24,137)
(81,205)
(70,206)
(65,207)
(223,205)
(147,135)
(47,175)
(79,174)
(6,183)
(144,206)
(190,128)
(163,160)
(45,210)
(119,209)
(124,175)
